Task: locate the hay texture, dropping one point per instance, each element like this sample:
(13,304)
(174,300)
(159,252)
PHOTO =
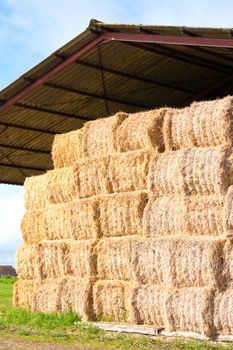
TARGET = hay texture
(35,193)
(24,294)
(148,305)
(141,130)
(67,148)
(99,136)
(189,215)
(204,124)
(91,177)
(178,262)
(165,215)
(54,259)
(199,171)
(121,214)
(56,186)
(205,215)
(111,301)
(114,259)
(33,226)
(227,264)
(74,220)
(223,312)
(228,212)
(190,309)
(128,171)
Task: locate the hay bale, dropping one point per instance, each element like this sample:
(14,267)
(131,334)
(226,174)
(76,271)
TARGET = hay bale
(73,220)
(99,136)
(199,171)
(82,256)
(121,214)
(91,177)
(33,226)
(227,264)
(190,309)
(111,301)
(178,262)
(64,294)
(35,193)
(205,215)
(76,295)
(148,305)
(56,186)
(28,262)
(223,312)
(67,148)
(204,124)
(60,185)
(24,294)
(128,171)
(165,216)
(141,130)
(189,215)
(114,258)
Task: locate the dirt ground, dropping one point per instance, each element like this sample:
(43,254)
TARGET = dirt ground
(19,344)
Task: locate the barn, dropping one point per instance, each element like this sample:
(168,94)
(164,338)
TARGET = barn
(124,137)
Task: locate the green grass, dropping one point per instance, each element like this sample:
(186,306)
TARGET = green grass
(68,329)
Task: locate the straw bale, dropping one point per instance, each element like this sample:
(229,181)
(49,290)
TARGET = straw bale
(141,130)
(74,220)
(24,294)
(228,264)
(111,301)
(48,295)
(56,186)
(33,226)
(27,262)
(82,257)
(128,171)
(178,262)
(114,258)
(99,136)
(223,312)
(205,215)
(165,216)
(67,148)
(121,214)
(148,305)
(54,259)
(60,185)
(200,171)
(91,177)
(228,212)
(76,295)
(35,192)
(204,124)
(190,309)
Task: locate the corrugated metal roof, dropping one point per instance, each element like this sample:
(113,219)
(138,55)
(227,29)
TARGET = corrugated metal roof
(127,75)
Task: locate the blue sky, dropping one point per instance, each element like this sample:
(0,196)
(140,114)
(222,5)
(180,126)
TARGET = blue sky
(31,29)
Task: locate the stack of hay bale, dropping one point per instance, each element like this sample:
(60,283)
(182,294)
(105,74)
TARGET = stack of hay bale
(134,223)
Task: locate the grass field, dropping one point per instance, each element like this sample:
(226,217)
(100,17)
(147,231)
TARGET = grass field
(68,329)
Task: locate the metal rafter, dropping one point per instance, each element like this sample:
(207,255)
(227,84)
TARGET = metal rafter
(27,149)
(180,56)
(131,76)
(25,167)
(29,128)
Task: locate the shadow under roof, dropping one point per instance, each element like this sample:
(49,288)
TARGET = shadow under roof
(107,68)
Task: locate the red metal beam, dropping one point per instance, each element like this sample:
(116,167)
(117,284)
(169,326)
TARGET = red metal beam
(169,39)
